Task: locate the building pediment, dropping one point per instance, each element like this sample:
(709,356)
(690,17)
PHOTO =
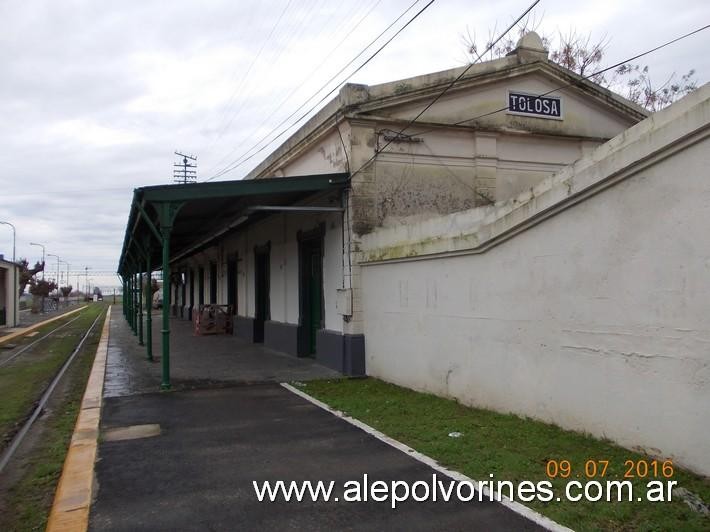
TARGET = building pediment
(538,97)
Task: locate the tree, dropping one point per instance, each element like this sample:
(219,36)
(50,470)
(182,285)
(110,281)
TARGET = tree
(26,274)
(66,290)
(97,291)
(41,287)
(584,55)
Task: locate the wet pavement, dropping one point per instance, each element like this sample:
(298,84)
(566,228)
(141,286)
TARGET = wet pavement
(192,454)
(197,361)
(197,473)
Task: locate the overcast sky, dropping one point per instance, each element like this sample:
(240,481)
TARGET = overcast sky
(95,96)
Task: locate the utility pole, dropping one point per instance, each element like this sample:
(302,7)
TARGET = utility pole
(58,259)
(86,274)
(185,172)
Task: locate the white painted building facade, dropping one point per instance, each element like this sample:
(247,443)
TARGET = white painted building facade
(465,152)
(9,293)
(516,261)
(582,302)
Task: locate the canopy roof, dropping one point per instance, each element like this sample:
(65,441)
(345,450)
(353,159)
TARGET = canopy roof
(190,216)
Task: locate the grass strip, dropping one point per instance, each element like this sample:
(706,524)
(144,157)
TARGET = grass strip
(512,448)
(23,381)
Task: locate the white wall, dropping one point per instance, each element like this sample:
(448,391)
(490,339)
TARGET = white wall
(9,291)
(595,319)
(281,230)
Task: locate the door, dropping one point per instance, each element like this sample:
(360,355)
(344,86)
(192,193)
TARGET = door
(262,310)
(192,293)
(200,286)
(232,284)
(213,283)
(311,291)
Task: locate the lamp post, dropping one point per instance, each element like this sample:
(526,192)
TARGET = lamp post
(66,298)
(16,288)
(42,246)
(58,259)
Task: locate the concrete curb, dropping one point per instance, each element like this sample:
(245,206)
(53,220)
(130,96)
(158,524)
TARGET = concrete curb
(31,328)
(72,501)
(516,507)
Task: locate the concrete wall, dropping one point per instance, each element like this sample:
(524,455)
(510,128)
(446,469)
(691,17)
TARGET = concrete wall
(583,302)
(7,291)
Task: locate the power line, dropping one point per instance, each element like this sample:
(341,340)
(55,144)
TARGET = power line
(246,75)
(505,108)
(573,83)
(303,82)
(241,160)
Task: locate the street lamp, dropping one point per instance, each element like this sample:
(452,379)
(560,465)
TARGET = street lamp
(58,259)
(14,273)
(40,245)
(66,298)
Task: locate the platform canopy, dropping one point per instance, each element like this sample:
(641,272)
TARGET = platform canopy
(194,214)
(170,222)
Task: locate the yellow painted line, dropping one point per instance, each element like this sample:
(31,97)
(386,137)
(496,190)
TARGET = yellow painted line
(24,331)
(72,502)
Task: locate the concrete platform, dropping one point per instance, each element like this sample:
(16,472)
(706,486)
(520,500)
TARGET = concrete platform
(197,474)
(197,361)
(186,459)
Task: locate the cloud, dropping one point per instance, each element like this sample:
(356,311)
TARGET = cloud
(96,96)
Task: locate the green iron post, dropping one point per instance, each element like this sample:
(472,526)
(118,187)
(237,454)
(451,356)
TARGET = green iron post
(166,306)
(133,304)
(130,302)
(166,214)
(139,293)
(148,304)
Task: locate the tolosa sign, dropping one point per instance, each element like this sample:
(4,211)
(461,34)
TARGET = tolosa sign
(531,105)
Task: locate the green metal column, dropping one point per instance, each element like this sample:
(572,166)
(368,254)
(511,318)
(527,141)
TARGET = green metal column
(139,293)
(148,303)
(133,304)
(130,302)
(166,306)
(166,214)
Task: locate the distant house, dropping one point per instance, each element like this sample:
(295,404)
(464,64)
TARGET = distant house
(9,293)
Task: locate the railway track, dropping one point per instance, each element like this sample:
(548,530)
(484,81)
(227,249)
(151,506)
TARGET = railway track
(29,346)
(9,451)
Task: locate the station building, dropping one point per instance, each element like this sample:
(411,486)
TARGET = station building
(282,247)
(9,293)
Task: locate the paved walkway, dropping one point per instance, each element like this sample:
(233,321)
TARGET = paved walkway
(197,473)
(197,361)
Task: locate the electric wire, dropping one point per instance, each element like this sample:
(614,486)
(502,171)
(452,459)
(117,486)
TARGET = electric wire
(451,84)
(246,74)
(241,160)
(302,83)
(505,108)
